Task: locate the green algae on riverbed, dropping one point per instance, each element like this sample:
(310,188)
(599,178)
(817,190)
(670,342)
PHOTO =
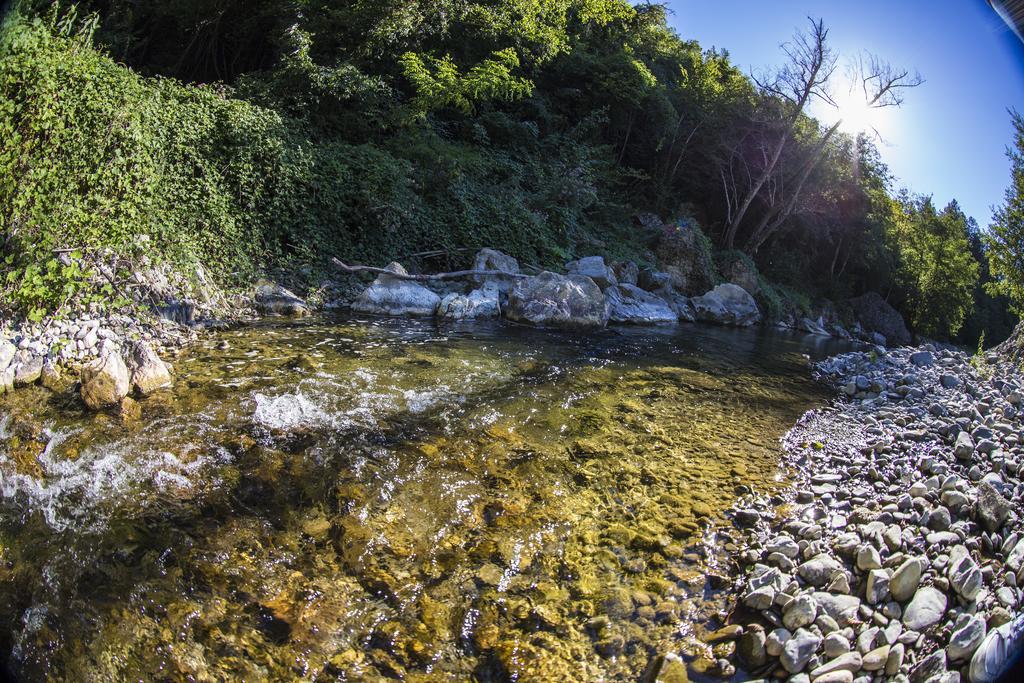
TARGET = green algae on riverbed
(345,500)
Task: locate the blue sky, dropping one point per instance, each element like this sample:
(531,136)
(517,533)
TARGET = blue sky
(949,137)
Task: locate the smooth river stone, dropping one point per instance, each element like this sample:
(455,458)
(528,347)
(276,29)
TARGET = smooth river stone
(926,609)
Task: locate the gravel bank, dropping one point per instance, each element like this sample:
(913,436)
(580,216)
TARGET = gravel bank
(902,545)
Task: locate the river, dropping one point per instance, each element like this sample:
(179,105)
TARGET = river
(347,499)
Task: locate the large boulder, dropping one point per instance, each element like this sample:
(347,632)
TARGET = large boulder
(685,254)
(743,273)
(273,299)
(552,300)
(876,315)
(727,304)
(105,381)
(631,305)
(480,303)
(595,268)
(149,373)
(492,259)
(392,296)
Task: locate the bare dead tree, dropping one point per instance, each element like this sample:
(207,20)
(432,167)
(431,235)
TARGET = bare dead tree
(881,85)
(802,79)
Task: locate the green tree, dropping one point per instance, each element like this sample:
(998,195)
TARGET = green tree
(1005,240)
(936,272)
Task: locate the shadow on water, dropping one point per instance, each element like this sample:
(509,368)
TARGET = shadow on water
(353,499)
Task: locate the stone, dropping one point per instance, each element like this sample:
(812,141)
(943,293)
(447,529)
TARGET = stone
(922,359)
(847,661)
(494,260)
(28,368)
(149,373)
(6,380)
(783,545)
(876,316)
(905,580)
(727,304)
(668,668)
(626,272)
(815,327)
(800,612)
(818,570)
(966,638)
(480,303)
(835,644)
(760,598)
(841,676)
(949,381)
(751,648)
(993,509)
(631,305)
(563,301)
(964,573)
(798,650)
(654,281)
(595,268)
(929,668)
(877,586)
(105,381)
(926,609)
(747,517)
(685,254)
(875,659)
(391,296)
(963,449)
(776,640)
(842,608)
(51,377)
(7,353)
(868,558)
(894,662)
(273,299)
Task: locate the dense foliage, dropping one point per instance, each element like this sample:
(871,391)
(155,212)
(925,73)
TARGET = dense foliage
(1005,241)
(241,134)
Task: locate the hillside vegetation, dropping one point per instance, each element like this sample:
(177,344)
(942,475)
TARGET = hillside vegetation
(242,136)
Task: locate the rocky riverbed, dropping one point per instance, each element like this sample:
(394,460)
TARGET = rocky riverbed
(902,543)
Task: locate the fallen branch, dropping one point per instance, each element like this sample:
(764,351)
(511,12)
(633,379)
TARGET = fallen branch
(457,275)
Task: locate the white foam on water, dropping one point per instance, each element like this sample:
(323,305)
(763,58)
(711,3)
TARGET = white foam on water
(83,493)
(287,412)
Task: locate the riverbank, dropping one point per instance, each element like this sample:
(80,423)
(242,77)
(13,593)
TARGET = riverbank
(901,544)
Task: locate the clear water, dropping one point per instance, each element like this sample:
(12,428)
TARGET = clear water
(372,500)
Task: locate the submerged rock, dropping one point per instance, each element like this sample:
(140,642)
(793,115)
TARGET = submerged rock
(552,300)
(273,299)
(105,382)
(727,304)
(149,373)
(632,305)
(395,297)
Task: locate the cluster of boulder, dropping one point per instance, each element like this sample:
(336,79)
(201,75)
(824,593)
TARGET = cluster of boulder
(591,293)
(105,376)
(904,545)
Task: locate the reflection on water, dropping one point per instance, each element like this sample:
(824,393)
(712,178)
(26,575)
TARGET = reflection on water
(364,500)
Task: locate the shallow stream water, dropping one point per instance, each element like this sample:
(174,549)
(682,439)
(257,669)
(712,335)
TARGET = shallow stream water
(378,500)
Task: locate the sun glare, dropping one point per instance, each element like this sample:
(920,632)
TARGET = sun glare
(855,113)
